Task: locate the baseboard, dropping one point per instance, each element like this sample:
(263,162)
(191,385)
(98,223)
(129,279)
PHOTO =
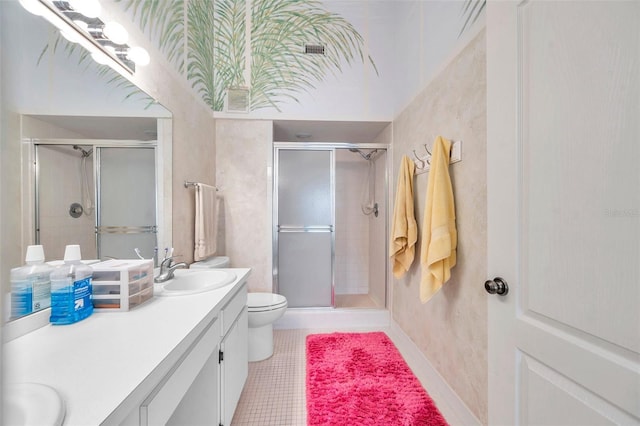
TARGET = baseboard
(449,403)
(310,318)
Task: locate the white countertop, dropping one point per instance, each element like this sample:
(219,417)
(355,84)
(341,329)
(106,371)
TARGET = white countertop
(113,357)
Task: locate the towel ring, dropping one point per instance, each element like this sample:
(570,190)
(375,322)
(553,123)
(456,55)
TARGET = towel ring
(427,149)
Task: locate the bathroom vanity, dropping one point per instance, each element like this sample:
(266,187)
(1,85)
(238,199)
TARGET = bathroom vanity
(173,360)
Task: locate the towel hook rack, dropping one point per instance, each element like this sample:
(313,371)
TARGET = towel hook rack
(420,160)
(423,163)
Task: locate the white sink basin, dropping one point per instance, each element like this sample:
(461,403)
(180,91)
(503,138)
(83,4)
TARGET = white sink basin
(187,282)
(31,404)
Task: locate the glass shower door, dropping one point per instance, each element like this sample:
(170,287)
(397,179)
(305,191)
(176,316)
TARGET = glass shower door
(304,218)
(126,202)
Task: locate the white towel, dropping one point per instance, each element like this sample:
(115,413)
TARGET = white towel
(206,226)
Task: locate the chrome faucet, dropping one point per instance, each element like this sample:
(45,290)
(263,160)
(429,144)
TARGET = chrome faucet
(167,268)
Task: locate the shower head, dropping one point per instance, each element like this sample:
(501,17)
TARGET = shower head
(362,154)
(84,153)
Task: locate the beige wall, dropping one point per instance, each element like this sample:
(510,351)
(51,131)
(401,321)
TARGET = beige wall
(451,328)
(243,166)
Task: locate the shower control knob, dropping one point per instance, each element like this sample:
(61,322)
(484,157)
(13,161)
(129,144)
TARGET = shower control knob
(496,286)
(75,210)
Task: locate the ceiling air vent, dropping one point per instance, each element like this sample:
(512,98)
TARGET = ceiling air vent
(314,49)
(237,99)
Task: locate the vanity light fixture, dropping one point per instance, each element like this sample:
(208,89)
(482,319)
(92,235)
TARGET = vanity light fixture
(139,55)
(115,32)
(79,22)
(89,8)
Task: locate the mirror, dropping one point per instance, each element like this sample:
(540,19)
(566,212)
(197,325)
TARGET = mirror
(54,97)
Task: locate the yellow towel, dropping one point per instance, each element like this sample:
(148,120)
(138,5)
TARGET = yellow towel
(404,229)
(439,236)
(205,221)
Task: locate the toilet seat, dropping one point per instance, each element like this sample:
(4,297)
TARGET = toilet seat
(260,302)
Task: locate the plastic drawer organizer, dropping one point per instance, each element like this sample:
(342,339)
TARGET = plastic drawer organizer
(120,285)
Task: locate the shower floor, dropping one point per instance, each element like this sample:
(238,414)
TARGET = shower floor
(355,301)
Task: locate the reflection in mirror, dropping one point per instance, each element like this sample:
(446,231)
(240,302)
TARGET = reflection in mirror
(111,193)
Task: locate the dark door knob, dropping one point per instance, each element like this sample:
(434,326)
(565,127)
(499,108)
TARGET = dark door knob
(496,286)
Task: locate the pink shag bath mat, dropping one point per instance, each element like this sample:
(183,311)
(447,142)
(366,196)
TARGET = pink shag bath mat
(361,379)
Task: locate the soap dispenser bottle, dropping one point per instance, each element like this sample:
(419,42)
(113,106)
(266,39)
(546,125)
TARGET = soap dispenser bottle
(30,284)
(71,291)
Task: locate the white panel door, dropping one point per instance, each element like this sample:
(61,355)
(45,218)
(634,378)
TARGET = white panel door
(563,91)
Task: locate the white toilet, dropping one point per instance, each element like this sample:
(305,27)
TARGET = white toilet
(263,310)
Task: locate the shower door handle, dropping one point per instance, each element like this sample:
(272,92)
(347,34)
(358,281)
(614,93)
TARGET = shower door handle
(303,228)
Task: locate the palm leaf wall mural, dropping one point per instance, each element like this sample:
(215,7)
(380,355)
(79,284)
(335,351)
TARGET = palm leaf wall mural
(471,11)
(83,59)
(200,52)
(280,28)
(164,22)
(230,50)
(215,45)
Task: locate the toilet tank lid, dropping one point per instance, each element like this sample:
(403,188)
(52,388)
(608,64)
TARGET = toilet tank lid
(212,262)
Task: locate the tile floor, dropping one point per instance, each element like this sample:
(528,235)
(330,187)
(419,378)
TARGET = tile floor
(274,393)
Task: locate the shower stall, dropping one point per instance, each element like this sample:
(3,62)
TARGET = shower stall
(100,197)
(330,224)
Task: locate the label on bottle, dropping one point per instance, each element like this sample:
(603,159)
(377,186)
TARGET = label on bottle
(41,292)
(82,294)
(70,302)
(21,298)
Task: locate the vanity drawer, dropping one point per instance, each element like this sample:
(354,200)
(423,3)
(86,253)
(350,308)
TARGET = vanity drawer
(234,308)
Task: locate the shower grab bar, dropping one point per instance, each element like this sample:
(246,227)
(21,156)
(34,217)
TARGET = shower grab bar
(312,228)
(152,229)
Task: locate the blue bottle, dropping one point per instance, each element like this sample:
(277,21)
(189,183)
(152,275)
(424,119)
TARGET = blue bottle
(71,291)
(30,285)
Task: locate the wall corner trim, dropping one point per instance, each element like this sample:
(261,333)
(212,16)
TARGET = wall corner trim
(449,403)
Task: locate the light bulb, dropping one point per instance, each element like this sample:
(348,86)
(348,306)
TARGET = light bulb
(139,56)
(88,8)
(33,6)
(100,57)
(115,32)
(70,36)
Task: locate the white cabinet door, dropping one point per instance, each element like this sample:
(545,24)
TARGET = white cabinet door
(563,117)
(195,365)
(200,405)
(234,366)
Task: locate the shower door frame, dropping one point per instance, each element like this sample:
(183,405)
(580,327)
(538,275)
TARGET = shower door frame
(100,228)
(292,146)
(32,177)
(326,146)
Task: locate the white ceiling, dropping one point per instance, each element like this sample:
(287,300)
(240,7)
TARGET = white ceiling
(144,129)
(114,128)
(327,131)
